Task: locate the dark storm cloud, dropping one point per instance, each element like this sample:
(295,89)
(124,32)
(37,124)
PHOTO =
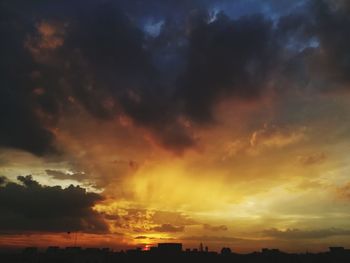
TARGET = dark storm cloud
(98,54)
(20,127)
(222,58)
(161,8)
(332,27)
(227,58)
(320,38)
(28,206)
(306,234)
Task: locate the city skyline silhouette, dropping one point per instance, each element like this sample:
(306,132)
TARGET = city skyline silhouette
(171,252)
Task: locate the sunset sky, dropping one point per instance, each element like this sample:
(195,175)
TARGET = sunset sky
(127,123)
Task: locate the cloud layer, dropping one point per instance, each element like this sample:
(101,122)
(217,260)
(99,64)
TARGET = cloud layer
(101,58)
(190,118)
(28,206)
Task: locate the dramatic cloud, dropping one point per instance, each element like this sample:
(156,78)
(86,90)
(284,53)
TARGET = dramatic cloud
(100,57)
(143,220)
(31,207)
(274,136)
(79,176)
(215,228)
(168,228)
(166,217)
(227,58)
(189,118)
(331,27)
(268,137)
(20,125)
(47,38)
(320,34)
(220,239)
(306,234)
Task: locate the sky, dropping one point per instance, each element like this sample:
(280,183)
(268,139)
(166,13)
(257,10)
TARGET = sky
(129,123)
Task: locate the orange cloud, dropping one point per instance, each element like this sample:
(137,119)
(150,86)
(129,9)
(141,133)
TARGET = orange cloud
(49,37)
(275,136)
(344,191)
(312,159)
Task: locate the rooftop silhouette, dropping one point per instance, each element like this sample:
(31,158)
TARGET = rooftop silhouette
(168,252)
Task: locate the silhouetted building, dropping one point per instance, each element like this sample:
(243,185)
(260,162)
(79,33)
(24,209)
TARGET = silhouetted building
(201,247)
(270,251)
(226,251)
(93,250)
(73,250)
(105,249)
(138,250)
(337,249)
(153,249)
(30,250)
(170,248)
(53,250)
